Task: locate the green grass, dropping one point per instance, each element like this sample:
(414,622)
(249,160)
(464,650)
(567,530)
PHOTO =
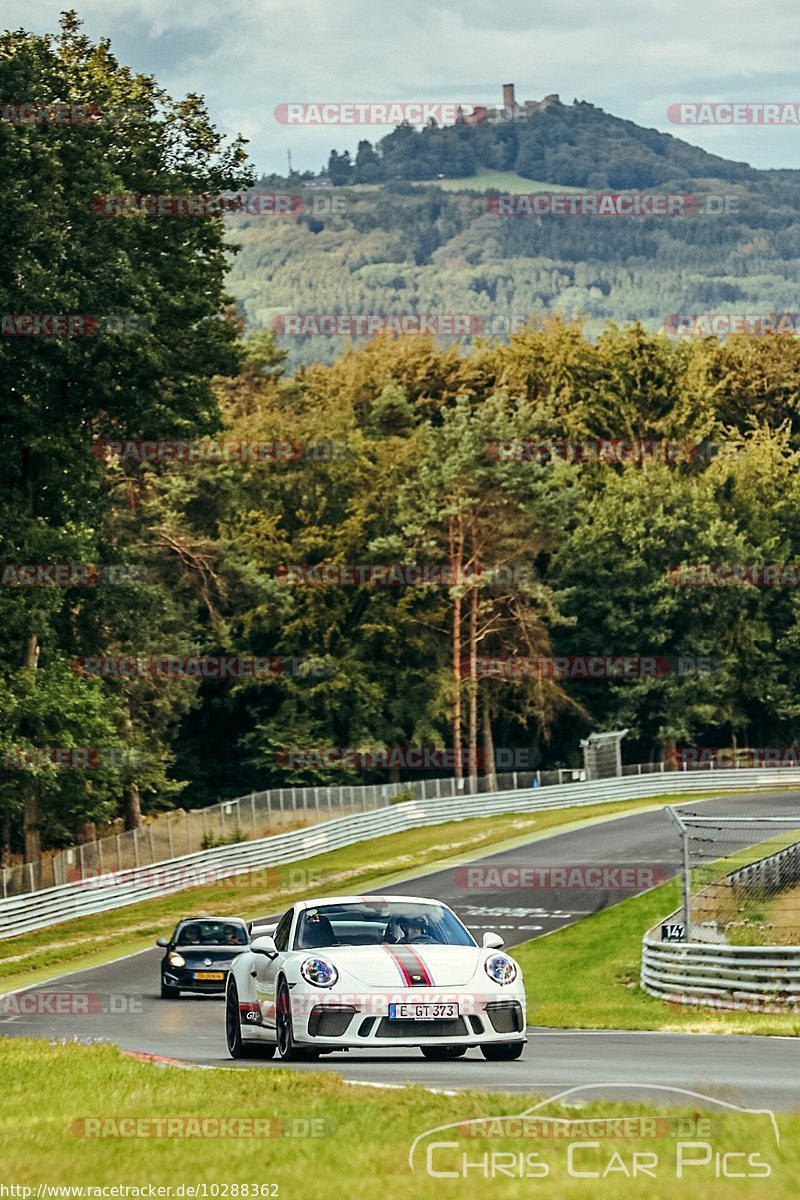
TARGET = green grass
(587,977)
(367,1135)
(502,181)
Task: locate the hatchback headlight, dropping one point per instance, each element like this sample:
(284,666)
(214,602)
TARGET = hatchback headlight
(319,972)
(176,960)
(500,968)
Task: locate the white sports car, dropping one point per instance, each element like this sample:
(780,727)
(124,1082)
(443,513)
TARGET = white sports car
(373,971)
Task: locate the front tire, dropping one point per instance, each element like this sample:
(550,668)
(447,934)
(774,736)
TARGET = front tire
(443,1053)
(502,1051)
(237,1046)
(284,1030)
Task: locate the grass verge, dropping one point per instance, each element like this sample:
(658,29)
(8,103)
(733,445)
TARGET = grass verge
(587,977)
(366,1136)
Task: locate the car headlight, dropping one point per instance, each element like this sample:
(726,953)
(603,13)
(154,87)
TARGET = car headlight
(319,972)
(176,960)
(500,968)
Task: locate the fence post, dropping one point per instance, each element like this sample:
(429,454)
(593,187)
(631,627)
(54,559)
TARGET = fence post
(135,848)
(169,835)
(222,821)
(152,847)
(99,857)
(253,811)
(316,803)
(119,852)
(30,877)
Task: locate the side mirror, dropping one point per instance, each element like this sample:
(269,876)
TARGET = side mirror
(265,945)
(162,942)
(492,941)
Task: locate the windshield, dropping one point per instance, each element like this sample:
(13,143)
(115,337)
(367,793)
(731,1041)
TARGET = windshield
(212,933)
(376,922)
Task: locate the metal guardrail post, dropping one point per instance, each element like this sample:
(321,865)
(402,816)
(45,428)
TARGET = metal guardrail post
(687,890)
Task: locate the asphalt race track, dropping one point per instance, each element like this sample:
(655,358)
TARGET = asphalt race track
(754,1071)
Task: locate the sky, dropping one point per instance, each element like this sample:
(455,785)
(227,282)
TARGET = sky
(633,58)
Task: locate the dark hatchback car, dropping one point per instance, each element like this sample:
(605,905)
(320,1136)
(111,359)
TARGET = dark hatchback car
(198,955)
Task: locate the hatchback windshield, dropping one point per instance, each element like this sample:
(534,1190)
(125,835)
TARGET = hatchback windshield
(377,922)
(212,933)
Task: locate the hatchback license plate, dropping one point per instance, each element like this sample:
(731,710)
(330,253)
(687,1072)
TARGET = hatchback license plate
(209,974)
(423,1012)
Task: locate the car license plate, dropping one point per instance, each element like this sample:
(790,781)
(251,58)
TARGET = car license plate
(209,974)
(422,1012)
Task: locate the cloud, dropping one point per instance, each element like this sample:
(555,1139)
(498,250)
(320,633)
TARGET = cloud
(632,59)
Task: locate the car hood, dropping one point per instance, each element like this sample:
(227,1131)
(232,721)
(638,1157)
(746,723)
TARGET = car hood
(392,966)
(219,957)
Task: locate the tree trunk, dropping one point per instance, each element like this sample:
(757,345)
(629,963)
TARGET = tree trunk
(131,796)
(456,557)
(473,689)
(5,840)
(31,815)
(488,744)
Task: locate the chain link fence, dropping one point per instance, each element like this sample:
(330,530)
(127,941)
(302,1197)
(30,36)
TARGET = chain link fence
(741,879)
(257,815)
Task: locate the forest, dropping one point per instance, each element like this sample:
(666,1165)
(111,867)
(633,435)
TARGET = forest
(175,493)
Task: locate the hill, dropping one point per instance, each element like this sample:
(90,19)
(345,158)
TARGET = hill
(426,241)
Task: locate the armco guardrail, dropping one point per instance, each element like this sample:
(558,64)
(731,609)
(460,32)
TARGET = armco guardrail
(698,973)
(714,975)
(22,914)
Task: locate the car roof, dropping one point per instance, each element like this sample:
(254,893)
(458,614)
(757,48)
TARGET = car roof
(206,917)
(317,902)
